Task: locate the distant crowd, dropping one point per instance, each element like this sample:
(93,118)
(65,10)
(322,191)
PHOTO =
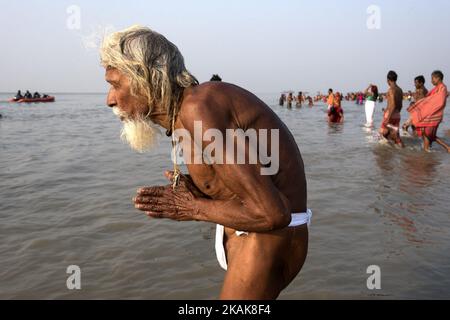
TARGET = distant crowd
(426,108)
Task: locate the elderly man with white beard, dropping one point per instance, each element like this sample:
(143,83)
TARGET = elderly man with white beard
(262,220)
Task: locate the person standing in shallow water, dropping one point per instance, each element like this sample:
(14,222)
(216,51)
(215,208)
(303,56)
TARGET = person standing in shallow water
(371,98)
(391,119)
(262,220)
(299,100)
(427,114)
(336,113)
(282,100)
(421,91)
(330,99)
(290,99)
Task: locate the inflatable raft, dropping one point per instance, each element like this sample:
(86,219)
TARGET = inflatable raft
(47,99)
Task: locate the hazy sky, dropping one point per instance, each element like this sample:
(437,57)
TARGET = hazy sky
(264,46)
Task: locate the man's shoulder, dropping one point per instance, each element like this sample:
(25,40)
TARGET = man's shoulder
(212,91)
(207,100)
(398,90)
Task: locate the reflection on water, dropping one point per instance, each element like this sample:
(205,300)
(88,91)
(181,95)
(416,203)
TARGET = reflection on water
(385,156)
(335,128)
(447,133)
(66,182)
(420,171)
(408,178)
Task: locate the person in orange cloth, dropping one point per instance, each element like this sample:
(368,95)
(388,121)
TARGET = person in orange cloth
(336,113)
(330,99)
(426,114)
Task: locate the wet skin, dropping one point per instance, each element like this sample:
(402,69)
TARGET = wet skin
(421,91)
(394,105)
(426,142)
(263,263)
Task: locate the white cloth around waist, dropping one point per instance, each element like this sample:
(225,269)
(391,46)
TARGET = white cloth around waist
(298,219)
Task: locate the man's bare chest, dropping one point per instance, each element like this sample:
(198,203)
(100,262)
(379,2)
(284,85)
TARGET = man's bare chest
(208,182)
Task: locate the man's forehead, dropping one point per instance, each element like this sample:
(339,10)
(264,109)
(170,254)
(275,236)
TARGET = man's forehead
(112,73)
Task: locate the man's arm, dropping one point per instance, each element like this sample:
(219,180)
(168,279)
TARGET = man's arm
(389,110)
(256,205)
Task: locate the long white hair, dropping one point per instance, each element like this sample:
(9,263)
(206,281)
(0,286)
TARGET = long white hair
(153,64)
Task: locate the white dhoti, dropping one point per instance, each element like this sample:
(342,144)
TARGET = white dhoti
(298,219)
(370,110)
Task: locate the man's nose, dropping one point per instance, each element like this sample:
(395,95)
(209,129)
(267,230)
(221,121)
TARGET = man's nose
(111,99)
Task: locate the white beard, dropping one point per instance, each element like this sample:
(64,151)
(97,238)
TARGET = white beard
(141,134)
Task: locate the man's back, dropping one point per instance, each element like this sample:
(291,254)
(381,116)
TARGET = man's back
(397,94)
(236,108)
(251,259)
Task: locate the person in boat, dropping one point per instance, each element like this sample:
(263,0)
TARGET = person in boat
(28,95)
(262,220)
(18,95)
(336,113)
(427,114)
(390,127)
(36,95)
(44,96)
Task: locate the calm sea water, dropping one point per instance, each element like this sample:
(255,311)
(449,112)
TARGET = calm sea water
(66,183)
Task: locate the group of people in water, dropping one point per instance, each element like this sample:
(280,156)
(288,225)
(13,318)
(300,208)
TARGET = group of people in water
(333,100)
(29,95)
(289,98)
(426,109)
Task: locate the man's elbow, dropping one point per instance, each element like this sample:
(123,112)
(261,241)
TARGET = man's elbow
(279,221)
